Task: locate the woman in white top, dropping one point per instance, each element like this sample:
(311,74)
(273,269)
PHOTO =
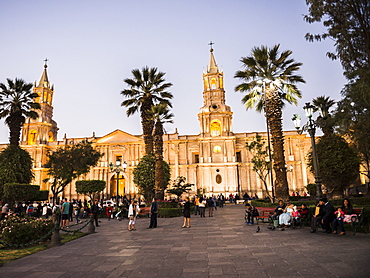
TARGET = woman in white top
(133,211)
(284,218)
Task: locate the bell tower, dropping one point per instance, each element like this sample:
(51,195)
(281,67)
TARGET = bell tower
(215,116)
(44,129)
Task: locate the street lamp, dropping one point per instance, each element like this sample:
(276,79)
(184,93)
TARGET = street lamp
(117,168)
(310,127)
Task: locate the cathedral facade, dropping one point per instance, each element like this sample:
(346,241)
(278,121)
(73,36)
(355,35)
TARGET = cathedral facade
(215,161)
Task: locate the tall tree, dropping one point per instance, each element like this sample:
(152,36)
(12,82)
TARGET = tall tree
(161,115)
(260,165)
(17,103)
(339,163)
(324,120)
(144,176)
(15,167)
(70,162)
(348,24)
(146,89)
(269,79)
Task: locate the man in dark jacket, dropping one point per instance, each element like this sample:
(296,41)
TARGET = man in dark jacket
(153,214)
(328,215)
(95,211)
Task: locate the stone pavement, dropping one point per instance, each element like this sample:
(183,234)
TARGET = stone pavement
(216,246)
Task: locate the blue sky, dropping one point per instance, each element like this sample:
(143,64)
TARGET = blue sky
(93,45)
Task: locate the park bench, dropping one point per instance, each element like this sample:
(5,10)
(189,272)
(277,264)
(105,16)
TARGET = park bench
(357,221)
(265,214)
(144,212)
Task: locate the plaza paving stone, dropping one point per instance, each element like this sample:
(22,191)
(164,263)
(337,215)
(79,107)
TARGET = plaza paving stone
(219,246)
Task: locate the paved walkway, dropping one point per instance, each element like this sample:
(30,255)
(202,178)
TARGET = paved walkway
(216,246)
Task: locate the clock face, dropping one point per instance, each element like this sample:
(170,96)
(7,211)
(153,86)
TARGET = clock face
(217,149)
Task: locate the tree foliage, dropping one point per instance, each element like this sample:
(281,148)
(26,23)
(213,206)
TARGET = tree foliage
(15,167)
(70,162)
(16,192)
(325,121)
(269,78)
(352,117)
(348,24)
(180,186)
(146,89)
(144,176)
(17,101)
(261,165)
(338,163)
(90,187)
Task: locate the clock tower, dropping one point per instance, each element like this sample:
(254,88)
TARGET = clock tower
(215,116)
(43,129)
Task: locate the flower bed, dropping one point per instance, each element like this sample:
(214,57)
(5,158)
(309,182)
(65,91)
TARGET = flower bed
(16,230)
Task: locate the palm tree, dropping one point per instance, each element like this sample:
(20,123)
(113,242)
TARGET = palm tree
(161,115)
(269,79)
(324,120)
(17,103)
(146,89)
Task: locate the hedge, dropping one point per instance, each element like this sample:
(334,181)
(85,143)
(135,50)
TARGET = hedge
(169,212)
(20,192)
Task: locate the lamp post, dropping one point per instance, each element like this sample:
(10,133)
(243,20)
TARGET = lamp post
(117,168)
(310,127)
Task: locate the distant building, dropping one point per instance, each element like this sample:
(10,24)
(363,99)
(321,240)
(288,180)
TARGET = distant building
(215,160)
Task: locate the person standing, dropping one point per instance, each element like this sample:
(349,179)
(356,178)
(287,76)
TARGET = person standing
(95,211)
(4,211)
(196,205)
(153,214)
(65,213)
(186,213)
(210,206)
(202,206)
(133,211)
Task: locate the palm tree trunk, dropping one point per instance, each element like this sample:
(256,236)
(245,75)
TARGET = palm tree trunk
(147,125)
(15,125)
(273,105)
(159,170)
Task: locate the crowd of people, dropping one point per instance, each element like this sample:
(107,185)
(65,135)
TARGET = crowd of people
(284,216)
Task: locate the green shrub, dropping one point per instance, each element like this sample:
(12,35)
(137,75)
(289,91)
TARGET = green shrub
(20,192)
(16,230)
(168,204)
(43,195)
(169,212)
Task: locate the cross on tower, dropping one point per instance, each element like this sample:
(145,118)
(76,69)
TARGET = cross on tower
(46,61)
(210,44)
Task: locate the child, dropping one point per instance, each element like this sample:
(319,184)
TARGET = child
(340,214)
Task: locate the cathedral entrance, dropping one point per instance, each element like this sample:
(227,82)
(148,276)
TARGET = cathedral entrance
(121,186)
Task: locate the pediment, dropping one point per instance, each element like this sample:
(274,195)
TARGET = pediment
(118,137)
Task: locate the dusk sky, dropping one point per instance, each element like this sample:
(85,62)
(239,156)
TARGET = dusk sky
(92,46)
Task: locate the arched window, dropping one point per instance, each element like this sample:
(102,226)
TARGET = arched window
(215,128)
(213,83)
(32,137)
(51,136)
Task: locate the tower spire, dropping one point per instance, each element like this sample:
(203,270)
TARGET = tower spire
(44,80)
(212,67)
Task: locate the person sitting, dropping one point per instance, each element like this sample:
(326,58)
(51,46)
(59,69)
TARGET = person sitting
(303,211)
(250,212)
(317,217)
(278,210)
(329,215)
(347,211)
(286,217)
(326,216)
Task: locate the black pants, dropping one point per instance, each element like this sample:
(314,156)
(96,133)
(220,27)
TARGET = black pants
(315,221)
(96,219)
(153,220)
(202,211)
(251,216)
(326,225)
